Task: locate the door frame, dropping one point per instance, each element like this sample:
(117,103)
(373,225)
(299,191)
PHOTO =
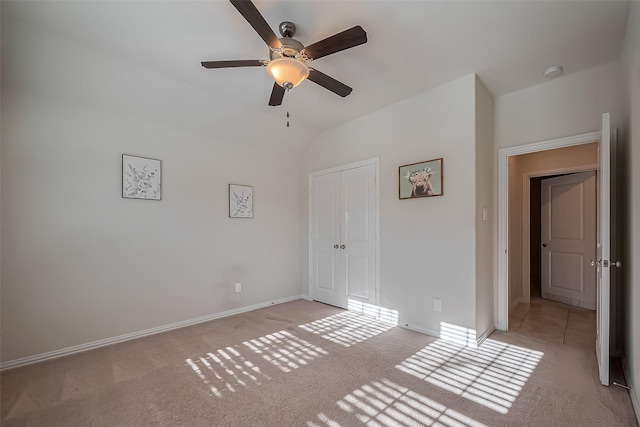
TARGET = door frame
(526,219)
(375,161)
(502,303)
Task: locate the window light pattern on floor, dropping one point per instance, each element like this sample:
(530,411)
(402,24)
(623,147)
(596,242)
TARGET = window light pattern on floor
(346,328)
(230,368)
(225,370)
(491,375)
(383,314)
(384,403)
(285,350)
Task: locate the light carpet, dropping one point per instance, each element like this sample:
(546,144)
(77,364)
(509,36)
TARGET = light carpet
(304,363)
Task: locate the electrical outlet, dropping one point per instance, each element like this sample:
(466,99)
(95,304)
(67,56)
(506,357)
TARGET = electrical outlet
(238,287)
(437,304)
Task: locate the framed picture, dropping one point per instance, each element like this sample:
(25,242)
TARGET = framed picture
(240,201)
(422,179)
(141,178)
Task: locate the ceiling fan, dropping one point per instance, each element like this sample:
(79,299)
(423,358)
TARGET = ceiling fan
(288,57)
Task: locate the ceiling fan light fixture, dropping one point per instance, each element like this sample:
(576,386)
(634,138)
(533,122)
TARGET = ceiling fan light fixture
(287,70)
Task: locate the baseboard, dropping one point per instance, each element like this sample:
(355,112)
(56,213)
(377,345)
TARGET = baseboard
(127,337)
(484,336)
(635,402)
(436,334)
(514,304)
(429,332)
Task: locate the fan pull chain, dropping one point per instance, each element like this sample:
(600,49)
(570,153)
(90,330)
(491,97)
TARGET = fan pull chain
(287,100)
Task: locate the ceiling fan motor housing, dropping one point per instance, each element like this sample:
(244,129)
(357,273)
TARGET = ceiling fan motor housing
(287,29)
(290,48)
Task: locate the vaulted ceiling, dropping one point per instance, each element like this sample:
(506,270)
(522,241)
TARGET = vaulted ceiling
(413,46)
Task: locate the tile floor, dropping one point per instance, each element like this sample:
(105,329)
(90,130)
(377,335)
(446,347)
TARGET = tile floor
(554,322)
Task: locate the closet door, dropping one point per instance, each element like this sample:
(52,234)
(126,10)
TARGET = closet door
(325,240)
(357,233)
(343,240)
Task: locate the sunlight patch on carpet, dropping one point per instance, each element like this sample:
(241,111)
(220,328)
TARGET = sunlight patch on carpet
(384,403)
(230,368)
(380,313)
(491,375)
(347,328)
(226,370)
(458,334)
(285,350)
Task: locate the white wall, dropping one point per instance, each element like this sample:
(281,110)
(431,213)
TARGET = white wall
(79,262)
(485,159)
(629,156)
(562,107)
(427,245)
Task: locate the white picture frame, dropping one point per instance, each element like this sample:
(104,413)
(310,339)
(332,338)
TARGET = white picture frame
(141,178)
(240,201)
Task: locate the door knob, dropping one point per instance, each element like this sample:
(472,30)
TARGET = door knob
(544,245)
(342,246)
(335,246)
(607,263)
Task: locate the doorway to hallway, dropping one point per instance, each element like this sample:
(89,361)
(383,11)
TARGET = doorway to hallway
(554,322)
(563,238)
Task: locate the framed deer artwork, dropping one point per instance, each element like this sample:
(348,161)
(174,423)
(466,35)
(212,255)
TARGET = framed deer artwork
(422,179)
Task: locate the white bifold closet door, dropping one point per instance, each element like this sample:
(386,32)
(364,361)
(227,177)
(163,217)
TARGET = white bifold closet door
(343,236)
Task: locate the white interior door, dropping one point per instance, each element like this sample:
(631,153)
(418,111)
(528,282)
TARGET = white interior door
(568,226)
(358,253)
(325,275)
(343,236)
(603,249)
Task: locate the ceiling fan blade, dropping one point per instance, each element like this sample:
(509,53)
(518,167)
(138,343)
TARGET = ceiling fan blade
(276,95)
(232,64)
(347,39)
(329,83)
(257,21)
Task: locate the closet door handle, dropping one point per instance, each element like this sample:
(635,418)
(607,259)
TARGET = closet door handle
(342,246)
(335,246)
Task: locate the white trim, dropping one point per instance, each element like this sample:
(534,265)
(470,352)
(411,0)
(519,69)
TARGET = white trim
(635,402)
(514,304)
(134,335)
(436,334)
(340,168)
(429,332)
(526,219)
(502,306)
(375,161)
(484,336)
